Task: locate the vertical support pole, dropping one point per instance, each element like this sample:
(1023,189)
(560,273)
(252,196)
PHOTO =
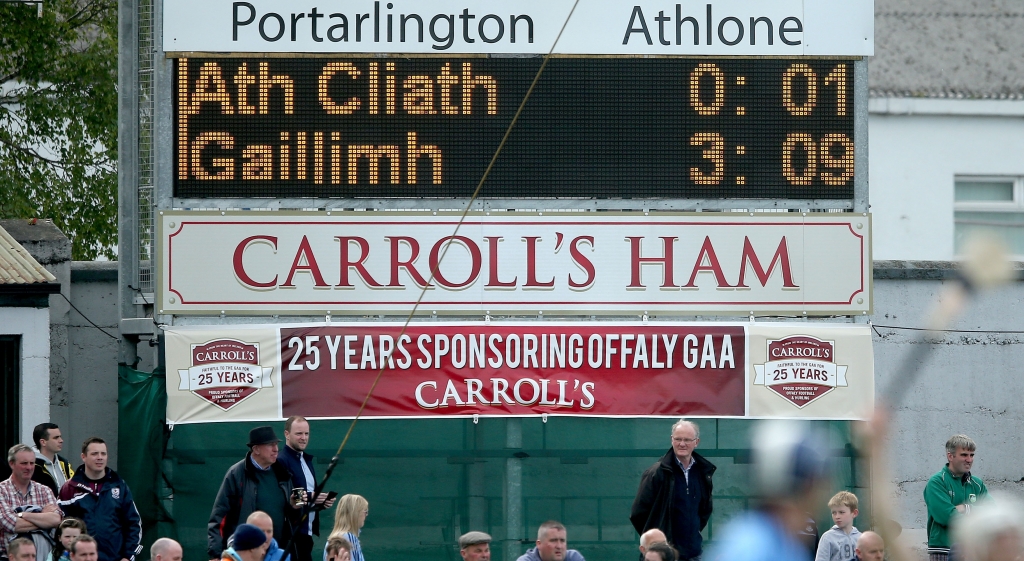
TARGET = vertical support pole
(127,167)
(513,490)
(163,117)
(861,199)
(476,501)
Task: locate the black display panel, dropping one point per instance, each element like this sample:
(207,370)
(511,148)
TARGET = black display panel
(594,127)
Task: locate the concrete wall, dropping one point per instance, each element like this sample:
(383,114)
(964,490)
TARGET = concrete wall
(87,401)
(970,384)
(917,148)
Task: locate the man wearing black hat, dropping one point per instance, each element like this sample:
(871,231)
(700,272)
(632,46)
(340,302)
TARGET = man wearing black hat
(258,482)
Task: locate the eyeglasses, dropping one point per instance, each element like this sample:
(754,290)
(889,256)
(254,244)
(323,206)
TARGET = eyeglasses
(685,440)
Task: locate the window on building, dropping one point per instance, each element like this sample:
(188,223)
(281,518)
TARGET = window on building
(992,205)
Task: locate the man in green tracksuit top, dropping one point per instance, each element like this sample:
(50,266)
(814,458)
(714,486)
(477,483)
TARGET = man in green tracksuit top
(951,493)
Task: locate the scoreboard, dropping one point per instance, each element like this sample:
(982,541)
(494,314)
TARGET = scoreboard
(427,126)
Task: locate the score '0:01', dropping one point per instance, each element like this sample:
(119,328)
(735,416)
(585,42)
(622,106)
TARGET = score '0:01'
(837,76)
(812,150)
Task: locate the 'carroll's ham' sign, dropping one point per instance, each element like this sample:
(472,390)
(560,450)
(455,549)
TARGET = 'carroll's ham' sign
(368,263)
(458,369)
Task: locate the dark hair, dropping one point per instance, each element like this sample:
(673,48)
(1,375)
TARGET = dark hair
(58,548)
(665,551)
(291,420)
(92,440)
(16,544)
(42,432)
(84,538)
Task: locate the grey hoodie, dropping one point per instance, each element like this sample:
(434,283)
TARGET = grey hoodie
(54,470)
(837,545)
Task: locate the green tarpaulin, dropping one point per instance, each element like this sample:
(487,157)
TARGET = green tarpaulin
(430,480)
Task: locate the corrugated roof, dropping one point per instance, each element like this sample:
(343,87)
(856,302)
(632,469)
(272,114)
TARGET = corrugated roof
(972,49)
(17,266)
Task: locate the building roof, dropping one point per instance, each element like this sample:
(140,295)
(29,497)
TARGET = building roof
(962,49)
(17,267)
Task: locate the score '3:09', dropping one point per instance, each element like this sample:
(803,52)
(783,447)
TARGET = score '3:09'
(832,153)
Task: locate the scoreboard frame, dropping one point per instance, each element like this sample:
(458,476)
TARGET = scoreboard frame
(609,127)
(165,167)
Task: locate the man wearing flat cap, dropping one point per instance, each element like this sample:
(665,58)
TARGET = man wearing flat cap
(475,546)
(258,482)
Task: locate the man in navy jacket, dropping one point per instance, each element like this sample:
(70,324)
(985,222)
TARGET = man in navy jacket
(97,495)
(295,458)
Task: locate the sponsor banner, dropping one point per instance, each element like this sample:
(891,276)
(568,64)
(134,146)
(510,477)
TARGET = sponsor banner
(711,27)
(458,369)
(804,373)
(214,372)
(576,263)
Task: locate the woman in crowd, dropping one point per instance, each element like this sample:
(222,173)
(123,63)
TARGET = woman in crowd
(348,521)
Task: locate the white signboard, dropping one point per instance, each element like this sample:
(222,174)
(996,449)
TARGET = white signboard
(596,27)
(521,263)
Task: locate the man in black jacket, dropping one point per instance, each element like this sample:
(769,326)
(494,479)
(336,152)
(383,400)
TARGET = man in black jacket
(675,493)
(258,482)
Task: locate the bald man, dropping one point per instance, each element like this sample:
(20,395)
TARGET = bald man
(165,549)
(870,547)
(649,538)
(263,521)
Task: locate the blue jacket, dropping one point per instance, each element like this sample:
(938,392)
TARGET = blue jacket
(756,536)
(109,512)
(290,459)
(274,553)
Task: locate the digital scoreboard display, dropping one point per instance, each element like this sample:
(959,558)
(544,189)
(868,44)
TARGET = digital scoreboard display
(766,128)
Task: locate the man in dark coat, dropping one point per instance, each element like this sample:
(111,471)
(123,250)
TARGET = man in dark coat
(258,482)
(675,493)
(300,463)
(97,495)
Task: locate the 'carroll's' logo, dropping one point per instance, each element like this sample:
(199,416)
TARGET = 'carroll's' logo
(801,369)
(225,372)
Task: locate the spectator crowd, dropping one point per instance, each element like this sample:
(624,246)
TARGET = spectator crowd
(268,507)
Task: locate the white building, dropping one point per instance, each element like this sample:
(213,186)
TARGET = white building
(946,125)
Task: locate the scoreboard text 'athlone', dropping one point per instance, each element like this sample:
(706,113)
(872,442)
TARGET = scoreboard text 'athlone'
(594,127)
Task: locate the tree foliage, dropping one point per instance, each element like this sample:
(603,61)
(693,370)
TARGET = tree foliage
(58,118)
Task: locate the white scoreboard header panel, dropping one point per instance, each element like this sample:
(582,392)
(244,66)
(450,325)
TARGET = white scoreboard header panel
(596,27)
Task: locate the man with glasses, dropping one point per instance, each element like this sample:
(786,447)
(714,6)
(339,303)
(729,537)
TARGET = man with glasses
(675,493)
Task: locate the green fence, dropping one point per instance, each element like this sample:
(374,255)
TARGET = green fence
(428,481)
